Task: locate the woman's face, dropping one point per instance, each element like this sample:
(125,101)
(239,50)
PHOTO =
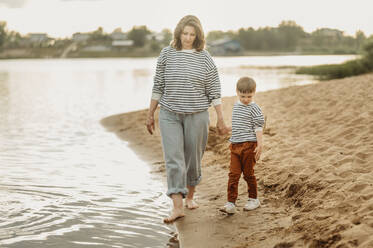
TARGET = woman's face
(187,37)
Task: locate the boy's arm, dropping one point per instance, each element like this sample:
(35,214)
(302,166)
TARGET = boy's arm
(259,146)
(258,120)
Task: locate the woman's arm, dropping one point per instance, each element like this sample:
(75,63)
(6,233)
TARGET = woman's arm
(157,91)
(220,124)
(150,118)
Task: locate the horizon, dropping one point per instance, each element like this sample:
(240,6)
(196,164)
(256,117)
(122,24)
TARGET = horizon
(50,16)
(157,31)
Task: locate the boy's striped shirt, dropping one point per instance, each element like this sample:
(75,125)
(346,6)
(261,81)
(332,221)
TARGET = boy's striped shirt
(186,81)
(246,120)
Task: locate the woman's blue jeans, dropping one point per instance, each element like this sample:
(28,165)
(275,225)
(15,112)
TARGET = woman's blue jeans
(184,139)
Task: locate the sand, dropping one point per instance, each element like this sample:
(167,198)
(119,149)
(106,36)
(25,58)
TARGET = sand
(315,175)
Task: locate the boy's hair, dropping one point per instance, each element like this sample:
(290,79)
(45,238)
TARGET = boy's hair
(246,85)
(193,21)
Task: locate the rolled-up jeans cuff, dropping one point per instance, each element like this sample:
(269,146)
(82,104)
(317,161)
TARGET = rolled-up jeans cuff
(216,102)
(171,191)
(194,182)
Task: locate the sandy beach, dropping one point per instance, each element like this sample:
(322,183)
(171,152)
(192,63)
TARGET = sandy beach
(315,175)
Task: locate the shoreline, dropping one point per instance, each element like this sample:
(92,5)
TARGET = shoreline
(314,177)
(22,53)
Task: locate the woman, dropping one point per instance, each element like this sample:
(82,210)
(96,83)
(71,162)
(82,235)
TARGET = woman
(186,83)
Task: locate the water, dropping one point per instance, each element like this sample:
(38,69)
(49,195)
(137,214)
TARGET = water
(67,182)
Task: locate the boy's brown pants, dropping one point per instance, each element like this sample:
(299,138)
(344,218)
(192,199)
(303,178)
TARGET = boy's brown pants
(242,161)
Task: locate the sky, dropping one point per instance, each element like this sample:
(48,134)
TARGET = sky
(62,18)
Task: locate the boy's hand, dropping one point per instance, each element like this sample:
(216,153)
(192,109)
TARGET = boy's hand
(150,123)
(258,152)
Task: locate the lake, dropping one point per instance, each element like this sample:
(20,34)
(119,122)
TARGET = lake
(67,182)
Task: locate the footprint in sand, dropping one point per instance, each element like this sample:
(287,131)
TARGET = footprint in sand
(358,187)
(362,155)
(346,173)
(344,161)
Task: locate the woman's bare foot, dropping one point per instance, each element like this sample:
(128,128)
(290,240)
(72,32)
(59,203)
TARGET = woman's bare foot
(178,211)
(191,204)
(176,214)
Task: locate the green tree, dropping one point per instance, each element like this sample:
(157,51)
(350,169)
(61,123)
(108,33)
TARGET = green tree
(246,37)
(215,35)
(3,33)
(138,35)
(291,34)
(167,37)
(117,30)
(360,38)
(368,51)
(99,36)
(13,39)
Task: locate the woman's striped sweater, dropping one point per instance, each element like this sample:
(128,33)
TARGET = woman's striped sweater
(186,81)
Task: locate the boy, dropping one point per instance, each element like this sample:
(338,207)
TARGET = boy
(246,145)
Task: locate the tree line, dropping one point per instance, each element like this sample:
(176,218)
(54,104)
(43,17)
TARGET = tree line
(290,37)
(286,37)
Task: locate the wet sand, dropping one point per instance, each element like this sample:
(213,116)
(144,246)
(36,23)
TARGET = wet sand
(315,175)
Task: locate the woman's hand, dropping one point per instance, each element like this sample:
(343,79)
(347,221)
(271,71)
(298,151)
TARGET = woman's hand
(150,123)
(150,119)
(222,128)
(220,125)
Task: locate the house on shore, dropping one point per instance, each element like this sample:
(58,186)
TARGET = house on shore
(80,37)
(122,44)
(40,39)
(224,46)
(120,41)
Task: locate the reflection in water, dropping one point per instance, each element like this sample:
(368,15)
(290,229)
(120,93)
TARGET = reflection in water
(267,79)
(281,61)
(4,93)
(65,181)
(4,75)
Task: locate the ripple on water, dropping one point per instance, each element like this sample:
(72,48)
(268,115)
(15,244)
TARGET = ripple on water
(44,213)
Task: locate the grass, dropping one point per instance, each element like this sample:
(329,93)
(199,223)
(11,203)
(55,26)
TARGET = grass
(347,69)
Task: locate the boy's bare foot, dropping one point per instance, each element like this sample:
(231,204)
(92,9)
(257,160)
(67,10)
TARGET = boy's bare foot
(173,217)
(191,204)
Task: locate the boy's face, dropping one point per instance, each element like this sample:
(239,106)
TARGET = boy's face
(245,98)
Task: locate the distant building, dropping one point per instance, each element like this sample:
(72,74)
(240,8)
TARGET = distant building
(120,40)
(155,36)
(98,48)
(118,36)
(80,37)
(37,37)
(224,46)
(122,43)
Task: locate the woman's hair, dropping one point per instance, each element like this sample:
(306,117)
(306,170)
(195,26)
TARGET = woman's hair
(193,21)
